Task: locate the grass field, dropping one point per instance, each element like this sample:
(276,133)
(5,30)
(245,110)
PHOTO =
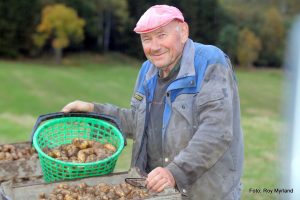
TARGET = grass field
(261,100)
(31,88)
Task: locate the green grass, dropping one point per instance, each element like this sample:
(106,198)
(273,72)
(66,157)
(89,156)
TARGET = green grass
(261,105)
(31,88)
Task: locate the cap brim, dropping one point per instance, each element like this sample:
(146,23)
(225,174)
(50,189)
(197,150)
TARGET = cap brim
(155,28)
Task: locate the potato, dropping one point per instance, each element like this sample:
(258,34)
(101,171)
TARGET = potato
(9,152)
(100,153)
(91,158)
(84,153)
(101,191)
(80,143)
(81,151)
(110,147)
(72,151)
(2,155)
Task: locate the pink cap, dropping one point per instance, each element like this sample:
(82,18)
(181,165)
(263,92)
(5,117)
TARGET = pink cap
(156,17)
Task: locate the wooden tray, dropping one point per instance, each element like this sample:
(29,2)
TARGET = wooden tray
(32,189)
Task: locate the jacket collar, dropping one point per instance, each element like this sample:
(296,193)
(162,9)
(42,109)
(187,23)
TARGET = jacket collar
(187,63)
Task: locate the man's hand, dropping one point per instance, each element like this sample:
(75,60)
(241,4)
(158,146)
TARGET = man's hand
(78,106)
(159,178)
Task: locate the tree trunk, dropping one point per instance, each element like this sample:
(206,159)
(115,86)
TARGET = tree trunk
(283,7)
(107,29)
(100,31)
(58,55)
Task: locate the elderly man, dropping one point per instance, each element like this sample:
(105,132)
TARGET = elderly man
(185,112)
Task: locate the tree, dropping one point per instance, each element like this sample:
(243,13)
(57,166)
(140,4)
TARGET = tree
(228,39)
(272,36)
(86,10)
(17,23)
(107,11)
(248,48)
(60,24)
(205,18)
(288,7)
(106,21)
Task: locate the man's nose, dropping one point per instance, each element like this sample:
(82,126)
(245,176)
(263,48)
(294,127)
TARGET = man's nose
(155,45)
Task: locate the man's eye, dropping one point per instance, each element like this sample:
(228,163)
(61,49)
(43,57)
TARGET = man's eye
(162,35)
(145,39)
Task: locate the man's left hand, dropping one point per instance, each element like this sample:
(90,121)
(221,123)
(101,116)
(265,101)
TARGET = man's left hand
(159,178)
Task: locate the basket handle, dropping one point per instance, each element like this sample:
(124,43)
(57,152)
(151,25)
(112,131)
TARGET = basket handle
(95,115)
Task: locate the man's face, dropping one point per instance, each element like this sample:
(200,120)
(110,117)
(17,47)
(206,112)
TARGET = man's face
(164,46)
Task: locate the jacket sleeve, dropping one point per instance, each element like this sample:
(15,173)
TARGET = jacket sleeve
(124,115)
(214,127)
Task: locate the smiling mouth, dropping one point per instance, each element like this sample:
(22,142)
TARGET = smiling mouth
(157,55)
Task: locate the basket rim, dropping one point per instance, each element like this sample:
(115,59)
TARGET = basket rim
(52,121)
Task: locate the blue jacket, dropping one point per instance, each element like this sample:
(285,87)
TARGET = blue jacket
(202,136)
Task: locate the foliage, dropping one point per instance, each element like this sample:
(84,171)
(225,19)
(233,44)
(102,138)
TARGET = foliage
(112,15)
(17,22)
(254,15)
(85,10)
(248,47)
(59,23)
(109,24)
(288,8)
(105,21)
(205,18)
(228,40)
(272,37)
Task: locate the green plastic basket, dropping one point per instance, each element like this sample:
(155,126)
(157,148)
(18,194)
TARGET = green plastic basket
(63,130)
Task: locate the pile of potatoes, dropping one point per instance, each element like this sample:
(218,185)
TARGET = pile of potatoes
(9,152)
(81,151)
(101,191)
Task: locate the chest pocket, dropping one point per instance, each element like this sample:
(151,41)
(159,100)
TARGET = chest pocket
(183,112)
(181,127)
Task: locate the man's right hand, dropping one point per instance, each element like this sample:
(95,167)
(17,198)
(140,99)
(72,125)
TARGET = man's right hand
(78,106)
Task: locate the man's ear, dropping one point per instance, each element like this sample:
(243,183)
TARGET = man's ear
(184,32)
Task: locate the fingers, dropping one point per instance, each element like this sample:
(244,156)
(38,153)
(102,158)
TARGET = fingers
(68,107)
(159,185)
(153,179)
(158,179)
(78,106)
(162,187)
